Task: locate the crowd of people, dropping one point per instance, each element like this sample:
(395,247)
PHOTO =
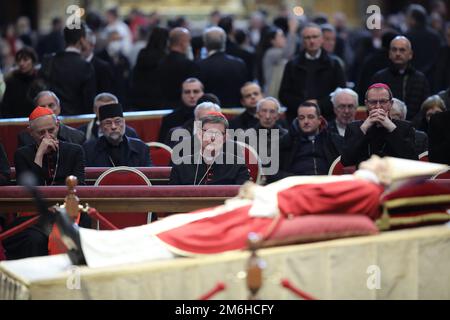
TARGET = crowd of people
(317,72)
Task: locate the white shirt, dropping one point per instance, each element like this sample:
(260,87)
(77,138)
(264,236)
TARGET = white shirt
(315,57)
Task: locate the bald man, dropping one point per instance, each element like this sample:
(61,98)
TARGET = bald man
(406,83)
(176,66)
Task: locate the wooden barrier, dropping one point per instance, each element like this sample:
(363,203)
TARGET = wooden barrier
(156,175)
(125,199)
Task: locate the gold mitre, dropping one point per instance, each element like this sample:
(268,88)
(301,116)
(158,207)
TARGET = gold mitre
(390,169)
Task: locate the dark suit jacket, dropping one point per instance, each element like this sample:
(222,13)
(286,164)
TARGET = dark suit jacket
(103,76)
(97,153)
(295,141)
(411,87)
(70,161)
(359,146)
(172,71)
(4,167)
(243,121)
(293,87)
(421,144)
(66,134)
(73,81)
(175,119)
(248,57)
(439,138)
(224,76)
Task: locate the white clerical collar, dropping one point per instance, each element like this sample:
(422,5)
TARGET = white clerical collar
(340,128)
(210,53)
(90,57)
(315,57)
(73,49)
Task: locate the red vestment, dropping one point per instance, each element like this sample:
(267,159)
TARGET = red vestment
(228,230)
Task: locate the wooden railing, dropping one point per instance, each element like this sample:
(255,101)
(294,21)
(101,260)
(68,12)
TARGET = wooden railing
(123,198)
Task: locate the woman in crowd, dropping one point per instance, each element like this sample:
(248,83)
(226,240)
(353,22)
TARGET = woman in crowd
(20,85)
(277,50)
(146,91)
(429,107)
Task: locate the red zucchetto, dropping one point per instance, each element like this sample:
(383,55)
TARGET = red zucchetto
(40,112)
(215,113)
(380,85)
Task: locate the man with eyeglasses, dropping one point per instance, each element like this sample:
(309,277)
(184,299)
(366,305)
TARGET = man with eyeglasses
(407,83)
(114,148)
(345,103)
(312,75)
(92,128)
(210,164)
(378,134)
(191,90)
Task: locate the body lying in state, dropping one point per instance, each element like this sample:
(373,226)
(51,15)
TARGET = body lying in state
(256,209)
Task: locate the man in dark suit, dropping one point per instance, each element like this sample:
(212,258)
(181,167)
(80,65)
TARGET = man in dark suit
(48,99)
(176,66)
(103,72)
(222,74)
(312,75)
(406,83)
(251,94)
(233,48)
(191,91)
(378,134)
(69,75)
(439,138)
(114,148)
(50,161)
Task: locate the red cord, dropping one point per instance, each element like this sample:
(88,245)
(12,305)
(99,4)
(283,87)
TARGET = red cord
(220,286)
(94,214)
(288,285)
(19,228)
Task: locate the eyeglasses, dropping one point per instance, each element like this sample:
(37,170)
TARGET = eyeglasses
(211,134)
(346,106)
(374,103)
(108,123)
(191,91)
(311,37)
